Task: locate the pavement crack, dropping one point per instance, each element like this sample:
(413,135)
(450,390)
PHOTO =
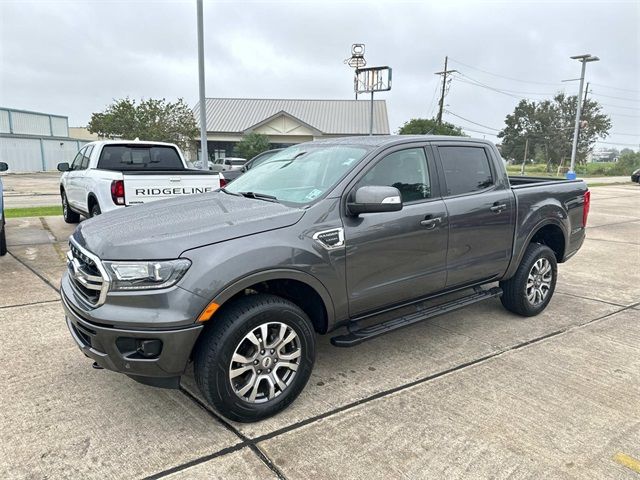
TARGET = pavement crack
(32,270)
(44,302)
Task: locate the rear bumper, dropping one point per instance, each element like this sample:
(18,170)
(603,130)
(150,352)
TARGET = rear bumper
(119,349)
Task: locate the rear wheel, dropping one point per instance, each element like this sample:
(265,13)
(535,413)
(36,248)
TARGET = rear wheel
(95,210)
(69,215)
(256,357)
(530,290)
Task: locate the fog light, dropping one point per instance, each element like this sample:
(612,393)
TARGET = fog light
(149,348)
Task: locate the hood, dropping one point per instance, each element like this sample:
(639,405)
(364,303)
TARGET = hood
(166,228)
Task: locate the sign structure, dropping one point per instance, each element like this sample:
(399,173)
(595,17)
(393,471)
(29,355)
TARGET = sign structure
(357,56)
(373,79)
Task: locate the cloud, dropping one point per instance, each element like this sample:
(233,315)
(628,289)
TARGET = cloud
(74,57)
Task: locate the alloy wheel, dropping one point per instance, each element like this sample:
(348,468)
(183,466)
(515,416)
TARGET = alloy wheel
(265,362)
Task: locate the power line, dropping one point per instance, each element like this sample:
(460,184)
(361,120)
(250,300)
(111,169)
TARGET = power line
(504,76)
(478,84)
(617,98)
(616,88)
(471,121)
(618,106)
(618,143)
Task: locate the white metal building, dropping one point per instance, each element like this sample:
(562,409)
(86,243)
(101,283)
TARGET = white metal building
(34,141)
(286,121)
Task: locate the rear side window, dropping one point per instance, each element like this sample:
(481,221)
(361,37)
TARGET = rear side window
(466,169)
(406,170)
(133,157)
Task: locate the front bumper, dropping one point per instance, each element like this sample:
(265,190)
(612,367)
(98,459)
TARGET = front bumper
(117,349)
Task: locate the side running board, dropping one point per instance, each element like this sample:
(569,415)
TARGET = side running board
(357,335)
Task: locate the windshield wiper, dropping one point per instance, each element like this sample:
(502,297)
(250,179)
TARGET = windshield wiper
(259,196)
(222,189)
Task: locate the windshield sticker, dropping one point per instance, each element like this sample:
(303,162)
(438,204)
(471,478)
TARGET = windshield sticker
(313,194)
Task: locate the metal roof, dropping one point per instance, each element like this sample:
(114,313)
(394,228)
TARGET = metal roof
(330,117)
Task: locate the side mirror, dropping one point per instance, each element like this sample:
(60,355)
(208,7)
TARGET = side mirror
(3,167)
(374,199)
(63,167)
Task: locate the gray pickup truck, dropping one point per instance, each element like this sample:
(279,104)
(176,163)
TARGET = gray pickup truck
(366,235)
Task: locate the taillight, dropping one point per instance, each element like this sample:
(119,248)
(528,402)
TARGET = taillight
(117,192)
(585,207)
(223,181)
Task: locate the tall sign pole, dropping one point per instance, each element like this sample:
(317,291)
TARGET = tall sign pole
(584,59)
(203,111)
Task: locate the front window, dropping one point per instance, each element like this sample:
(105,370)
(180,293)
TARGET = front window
(300,174)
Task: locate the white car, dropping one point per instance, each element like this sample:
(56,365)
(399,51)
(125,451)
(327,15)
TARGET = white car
(108,175)
(228,164)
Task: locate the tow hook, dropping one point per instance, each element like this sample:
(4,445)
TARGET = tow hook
(96,366)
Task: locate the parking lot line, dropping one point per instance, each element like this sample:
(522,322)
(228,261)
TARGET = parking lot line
(627,461)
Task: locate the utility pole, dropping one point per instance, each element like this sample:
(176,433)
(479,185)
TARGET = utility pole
(444,74)
(524,159)
(584,59)
(203,112)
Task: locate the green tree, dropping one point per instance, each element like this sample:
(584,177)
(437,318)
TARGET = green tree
(548,125)
(429,126)
(251,145)
(151,119)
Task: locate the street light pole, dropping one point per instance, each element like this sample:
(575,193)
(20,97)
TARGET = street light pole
(571,174)
(203,112)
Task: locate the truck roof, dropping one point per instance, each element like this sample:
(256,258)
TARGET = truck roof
(387,140)
(130,142)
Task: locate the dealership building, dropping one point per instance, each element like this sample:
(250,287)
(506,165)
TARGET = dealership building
(287,122)
(34,141)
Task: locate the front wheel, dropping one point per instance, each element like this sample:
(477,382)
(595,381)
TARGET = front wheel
(530,290)
(255,358)
(3,238)
(69,215)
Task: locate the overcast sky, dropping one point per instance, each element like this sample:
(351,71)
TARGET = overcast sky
(73,57)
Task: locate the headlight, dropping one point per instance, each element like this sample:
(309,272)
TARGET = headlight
(146,275)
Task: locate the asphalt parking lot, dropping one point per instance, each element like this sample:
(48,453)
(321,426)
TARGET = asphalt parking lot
(479,393)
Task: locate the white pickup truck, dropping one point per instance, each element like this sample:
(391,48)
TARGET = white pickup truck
(114,174)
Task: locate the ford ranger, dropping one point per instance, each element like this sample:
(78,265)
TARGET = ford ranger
(109,175)
(366,235)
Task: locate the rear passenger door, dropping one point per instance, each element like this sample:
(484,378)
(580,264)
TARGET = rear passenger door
(480,209)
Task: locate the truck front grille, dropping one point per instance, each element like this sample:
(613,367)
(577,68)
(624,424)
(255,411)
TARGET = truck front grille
(87,275)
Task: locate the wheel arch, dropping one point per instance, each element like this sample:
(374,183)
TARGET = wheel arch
(550,232)
(301,288)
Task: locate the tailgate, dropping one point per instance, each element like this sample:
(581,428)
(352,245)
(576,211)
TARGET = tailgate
(147,188)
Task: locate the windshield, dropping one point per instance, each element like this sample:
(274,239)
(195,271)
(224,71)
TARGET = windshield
(299,174)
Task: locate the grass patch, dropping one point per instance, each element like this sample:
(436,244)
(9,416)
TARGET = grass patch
(33,212)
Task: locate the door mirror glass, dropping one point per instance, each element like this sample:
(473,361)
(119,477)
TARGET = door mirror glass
(63,167)
(3,167)
(374,199)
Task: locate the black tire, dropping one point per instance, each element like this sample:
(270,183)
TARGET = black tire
(3,238)
(69,215)
(514,297)
(228,329)
(95,210)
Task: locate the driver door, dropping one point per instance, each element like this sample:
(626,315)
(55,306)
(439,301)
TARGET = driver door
(73,179)
(396,257)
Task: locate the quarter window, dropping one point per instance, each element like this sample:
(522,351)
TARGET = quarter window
(406,170)
(466,169)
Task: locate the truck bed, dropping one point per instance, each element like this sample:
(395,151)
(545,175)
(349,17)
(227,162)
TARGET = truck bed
(521,182)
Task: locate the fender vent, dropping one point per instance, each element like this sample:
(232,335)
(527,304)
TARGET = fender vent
(330,239)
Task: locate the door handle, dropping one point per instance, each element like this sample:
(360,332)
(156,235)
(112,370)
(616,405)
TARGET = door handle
(498,207)
(430,223)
